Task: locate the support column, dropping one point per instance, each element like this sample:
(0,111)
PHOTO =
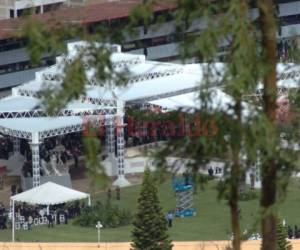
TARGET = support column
(110,136)
(16,143)
(35,150)
(121,180)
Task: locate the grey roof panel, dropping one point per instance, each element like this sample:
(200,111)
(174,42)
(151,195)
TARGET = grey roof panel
(17,78)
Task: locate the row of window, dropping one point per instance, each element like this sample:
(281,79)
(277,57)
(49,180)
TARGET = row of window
(289,20)
(149,42)
(10,44)
(36,10)
(14,67)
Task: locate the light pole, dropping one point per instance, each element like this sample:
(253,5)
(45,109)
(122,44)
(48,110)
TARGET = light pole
(98,226)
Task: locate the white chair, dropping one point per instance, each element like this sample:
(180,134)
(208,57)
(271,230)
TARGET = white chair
(22,219)
(36,221)
(45,220)
(62,218)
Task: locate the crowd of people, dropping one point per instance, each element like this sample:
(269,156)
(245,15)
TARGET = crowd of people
(28,215)
(6,148)
(3,217)
(53,152)
(285,49)
(293,233)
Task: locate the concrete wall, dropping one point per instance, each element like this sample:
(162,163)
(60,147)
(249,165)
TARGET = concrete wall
(196,245)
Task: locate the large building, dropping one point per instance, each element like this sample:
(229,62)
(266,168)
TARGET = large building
(16,8)
(157,42)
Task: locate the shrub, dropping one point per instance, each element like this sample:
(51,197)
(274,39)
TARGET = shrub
(110,216)
(248,195)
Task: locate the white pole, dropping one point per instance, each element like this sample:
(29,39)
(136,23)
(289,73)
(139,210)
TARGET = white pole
(89,201)
(13,221)
(98,226)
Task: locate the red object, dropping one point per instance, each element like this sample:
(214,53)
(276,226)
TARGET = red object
(3,170)
(283,109)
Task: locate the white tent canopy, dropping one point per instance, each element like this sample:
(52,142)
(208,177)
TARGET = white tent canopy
(46,194)
(49,193)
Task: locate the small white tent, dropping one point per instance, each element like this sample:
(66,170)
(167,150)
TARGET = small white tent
(46,194)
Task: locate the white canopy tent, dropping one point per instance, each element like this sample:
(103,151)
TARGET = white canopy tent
(46,194)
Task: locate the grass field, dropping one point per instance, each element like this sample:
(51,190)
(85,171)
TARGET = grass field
(212,221)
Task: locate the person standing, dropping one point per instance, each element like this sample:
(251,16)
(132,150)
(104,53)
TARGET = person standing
(30,222)
(50,220)
(118,193)
(109,194)
(170,218)
(295,232)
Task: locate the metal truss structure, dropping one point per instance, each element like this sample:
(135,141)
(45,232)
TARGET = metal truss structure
(127,63)
(65,112)
(36,178)
(15,133)
(165,95)
(120,147)
(109,112)
(110,136)
(155,75)
(100,101)
(85,99)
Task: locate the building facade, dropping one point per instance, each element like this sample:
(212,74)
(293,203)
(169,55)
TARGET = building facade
(17,8)
(157,42)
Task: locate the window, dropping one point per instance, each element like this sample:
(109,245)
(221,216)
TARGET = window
(15,67)
(289,20)
(11,13)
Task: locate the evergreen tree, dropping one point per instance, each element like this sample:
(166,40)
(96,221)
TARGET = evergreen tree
(281,234)
(150,225)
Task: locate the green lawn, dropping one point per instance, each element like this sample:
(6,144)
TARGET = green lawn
(212,221)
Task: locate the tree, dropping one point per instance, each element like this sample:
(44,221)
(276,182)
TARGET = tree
(269,167)
(150,225)
(245,130)
(281,233)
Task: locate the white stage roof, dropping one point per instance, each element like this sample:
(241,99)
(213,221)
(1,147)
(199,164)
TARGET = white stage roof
(49,194)
(23,104)
(148,88)
(147,79)
(218,100)
(40,124)
(150,79)
(168,85)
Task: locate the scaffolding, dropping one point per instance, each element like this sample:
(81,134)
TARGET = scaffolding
(183,189)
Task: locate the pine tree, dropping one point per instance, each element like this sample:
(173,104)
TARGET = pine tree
(150,225)
(281,234)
